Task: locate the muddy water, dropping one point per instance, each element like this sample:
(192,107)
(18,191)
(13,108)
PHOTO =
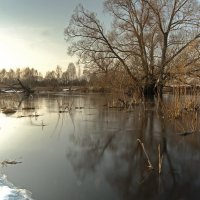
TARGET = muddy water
(92,152)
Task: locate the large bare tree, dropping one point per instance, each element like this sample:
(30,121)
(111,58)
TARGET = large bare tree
(148,38)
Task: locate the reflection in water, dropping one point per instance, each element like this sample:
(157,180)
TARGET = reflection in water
(111,144)
(92,152)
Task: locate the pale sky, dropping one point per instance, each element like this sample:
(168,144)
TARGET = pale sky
(32,32)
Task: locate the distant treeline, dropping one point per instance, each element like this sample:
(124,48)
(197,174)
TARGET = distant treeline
(34,78)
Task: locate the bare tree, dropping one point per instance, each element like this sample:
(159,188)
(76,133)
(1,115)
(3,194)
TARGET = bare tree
(58,72)
(71,71)
(178,26)
(146,39)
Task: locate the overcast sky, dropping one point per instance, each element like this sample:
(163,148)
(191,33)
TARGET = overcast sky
(32,32)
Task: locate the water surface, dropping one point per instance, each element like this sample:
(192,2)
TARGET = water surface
(92,152)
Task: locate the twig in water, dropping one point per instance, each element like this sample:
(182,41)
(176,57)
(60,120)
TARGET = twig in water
(160,160)
(150,166)
(8,162)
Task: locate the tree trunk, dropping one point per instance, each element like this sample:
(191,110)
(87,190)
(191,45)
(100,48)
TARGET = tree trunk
(152,90)
(26,89)
(149,91)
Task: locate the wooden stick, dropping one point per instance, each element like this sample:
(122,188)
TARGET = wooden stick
(148,160)
(160,159)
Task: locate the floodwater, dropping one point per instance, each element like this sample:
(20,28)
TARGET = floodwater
(93,152)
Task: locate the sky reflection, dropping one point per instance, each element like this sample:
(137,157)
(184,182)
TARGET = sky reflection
(92,152)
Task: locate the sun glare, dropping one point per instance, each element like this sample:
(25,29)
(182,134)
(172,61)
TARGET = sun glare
(12,52)
(16,51)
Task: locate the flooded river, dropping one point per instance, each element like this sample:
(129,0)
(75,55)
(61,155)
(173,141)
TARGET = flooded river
(76,148)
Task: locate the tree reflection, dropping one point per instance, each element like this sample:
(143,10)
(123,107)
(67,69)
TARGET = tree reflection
(109,147)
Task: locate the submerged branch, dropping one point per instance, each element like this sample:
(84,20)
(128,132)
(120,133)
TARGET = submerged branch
(9,162)
(150,166)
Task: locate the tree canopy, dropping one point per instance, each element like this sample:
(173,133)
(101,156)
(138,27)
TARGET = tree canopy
(149,39)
